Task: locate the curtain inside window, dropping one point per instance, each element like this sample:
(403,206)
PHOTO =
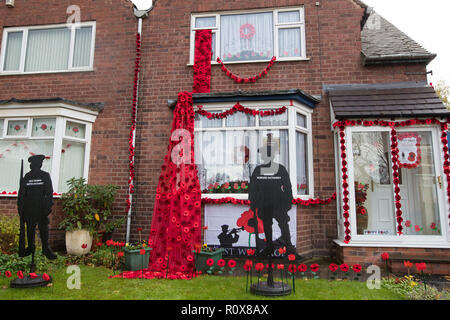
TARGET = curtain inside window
(246,36)
(12,51)
(289,42)
(11,154)
(72,163)
(47,50)
(302,179)
(82,47)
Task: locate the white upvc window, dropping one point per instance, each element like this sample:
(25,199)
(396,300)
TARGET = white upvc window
(226,149)
(62,135)
(422,188)
(48,49)
(253,36)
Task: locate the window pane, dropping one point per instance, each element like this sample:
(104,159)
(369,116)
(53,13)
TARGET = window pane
(373,184)
(213,47)
(276,120)
(418,187)
(75,130)
(226,159)
(1,127)
(289,42)
(204,122)
(17,127)
(205,22)
(82,47)
(48,50)
(11,154)
(301,120)
(288,16)
(246,36)
(240,119)
(43,127)
(13,51)
(302,171)
(72,163)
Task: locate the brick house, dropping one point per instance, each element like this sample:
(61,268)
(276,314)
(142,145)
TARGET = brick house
(351,83)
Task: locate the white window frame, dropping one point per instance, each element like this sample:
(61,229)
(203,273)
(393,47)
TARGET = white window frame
(62,113)
(276,27)
(25,31)
(425,241)
(292,129)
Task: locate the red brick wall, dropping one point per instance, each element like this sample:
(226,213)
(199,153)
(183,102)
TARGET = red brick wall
(333,46)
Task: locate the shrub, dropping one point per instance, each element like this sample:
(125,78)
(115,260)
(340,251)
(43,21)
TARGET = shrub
(411,288)
(9,234)
(14,263)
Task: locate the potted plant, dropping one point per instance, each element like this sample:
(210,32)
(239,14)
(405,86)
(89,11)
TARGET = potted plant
(137,255)
(204,253)
(86,208)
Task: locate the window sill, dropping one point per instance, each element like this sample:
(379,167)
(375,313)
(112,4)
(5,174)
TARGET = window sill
(45,72)
(395,244)
(243,196)
(256,61)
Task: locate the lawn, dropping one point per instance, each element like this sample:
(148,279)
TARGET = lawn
(95,285)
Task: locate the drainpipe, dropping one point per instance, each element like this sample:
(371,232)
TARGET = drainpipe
(140,14)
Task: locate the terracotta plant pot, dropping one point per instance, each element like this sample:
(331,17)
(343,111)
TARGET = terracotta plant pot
(75,240)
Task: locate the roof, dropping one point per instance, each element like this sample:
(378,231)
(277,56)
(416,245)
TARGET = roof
(268,95)
(419,101)
(98,106)
(382,42)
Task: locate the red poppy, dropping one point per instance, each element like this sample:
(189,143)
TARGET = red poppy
(344,267)
(433,226)
(314,267)
(33,275)
(333,267)
(231,263)
(8,274)
(417,228)
(190,258)
(291,257)
(407,223)
(407,264)
(247,220)
(84,246)
(109,242)
(248,265)
(302,268)
(20,274)
(210,262)
(221,263)
(357,268)
(142,252)
(43,126)
(280,266)
(120,254)
(250,252)
(99,244)
(292,268)
(139,229)
(46,277)
(282,250)
(259,266)
(421,266)
(385,256)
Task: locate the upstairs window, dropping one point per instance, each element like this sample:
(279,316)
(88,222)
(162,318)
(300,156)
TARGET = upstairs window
(254,36)
(55,48)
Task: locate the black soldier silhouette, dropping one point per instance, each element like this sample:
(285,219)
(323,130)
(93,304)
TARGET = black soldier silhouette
(270,195)
(227,238)
(35,201)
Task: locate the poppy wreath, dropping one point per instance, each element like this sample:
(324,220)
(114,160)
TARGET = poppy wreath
(240,108)
(444,141)
(396,180)
(345,186)
(253,79)
(247,31)
(202,61)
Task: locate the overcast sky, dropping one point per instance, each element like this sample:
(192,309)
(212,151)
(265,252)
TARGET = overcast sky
(427,22)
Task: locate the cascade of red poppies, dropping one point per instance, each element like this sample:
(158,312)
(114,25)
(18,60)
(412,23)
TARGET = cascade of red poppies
(396,180)
(202,61)
(345,186)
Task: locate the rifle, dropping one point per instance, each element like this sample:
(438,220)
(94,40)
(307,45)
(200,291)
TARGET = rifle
(22,218)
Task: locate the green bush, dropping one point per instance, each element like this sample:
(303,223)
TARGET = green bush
(9,234)
(14,263)
(412,288)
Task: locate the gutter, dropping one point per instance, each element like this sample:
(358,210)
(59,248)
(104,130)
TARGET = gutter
(140,15)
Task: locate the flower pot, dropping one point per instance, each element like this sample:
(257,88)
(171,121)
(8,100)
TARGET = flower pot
(202,256)
(75,240)
(134,260)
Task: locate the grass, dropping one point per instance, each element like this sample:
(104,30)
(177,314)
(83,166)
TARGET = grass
(95,285)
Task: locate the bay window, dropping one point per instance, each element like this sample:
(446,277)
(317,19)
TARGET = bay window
(254,36)
(227,149)
(53,48)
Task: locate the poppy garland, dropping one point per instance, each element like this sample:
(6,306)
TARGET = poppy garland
(396,180)
(444,140)
(253,79)
(240,108)
(345,186)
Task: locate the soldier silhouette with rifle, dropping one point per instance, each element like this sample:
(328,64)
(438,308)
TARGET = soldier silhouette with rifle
(35,201)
